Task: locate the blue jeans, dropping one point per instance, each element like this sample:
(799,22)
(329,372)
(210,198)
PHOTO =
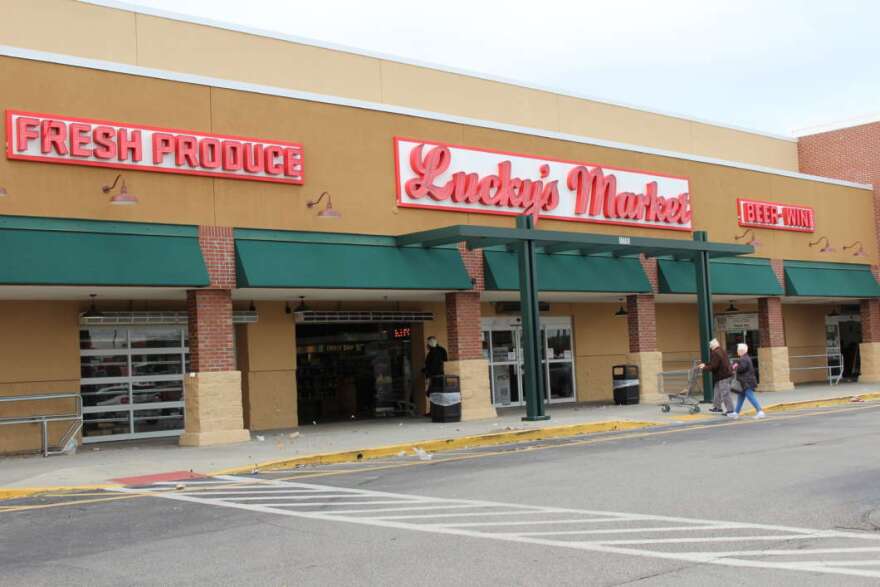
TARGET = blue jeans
(747,394)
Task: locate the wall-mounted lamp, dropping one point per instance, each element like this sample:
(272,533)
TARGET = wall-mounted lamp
(92,312)
(3,192)
(621,311)
(731,307)
(861,250)
(328,211)
(123,198)
(752,241)
(827,248)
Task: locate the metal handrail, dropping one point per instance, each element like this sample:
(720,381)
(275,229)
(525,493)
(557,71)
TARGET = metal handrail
(833,378)
(76,418)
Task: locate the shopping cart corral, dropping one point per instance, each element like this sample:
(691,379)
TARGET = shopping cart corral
(683,388)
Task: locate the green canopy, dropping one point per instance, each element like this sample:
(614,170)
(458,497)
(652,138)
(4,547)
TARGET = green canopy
(837,280)
(728,276)
(51,251)
(282,259)
(568,272)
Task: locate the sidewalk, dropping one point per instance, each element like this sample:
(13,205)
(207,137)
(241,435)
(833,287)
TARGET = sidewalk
(101,464)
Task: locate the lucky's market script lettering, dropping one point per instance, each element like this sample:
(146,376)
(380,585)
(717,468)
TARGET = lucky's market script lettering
(447,177)
(78,141)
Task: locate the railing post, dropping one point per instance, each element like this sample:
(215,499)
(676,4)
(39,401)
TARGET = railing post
(45,426)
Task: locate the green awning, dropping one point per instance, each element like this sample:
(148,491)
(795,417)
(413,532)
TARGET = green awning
(568,272)
(280,259)
(831,280)
(51,251)
(728,276)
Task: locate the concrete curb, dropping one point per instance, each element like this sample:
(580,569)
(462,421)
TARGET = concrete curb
(442,445)
(820,403)
(20,492)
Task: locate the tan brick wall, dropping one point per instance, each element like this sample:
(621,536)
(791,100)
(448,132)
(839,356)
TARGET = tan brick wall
(476,397)
(213,409)
(775,369)
(870,362)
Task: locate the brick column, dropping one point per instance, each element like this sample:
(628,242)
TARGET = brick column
(213,398)
(464,343)
(772,354)
(869,349)
(641,319)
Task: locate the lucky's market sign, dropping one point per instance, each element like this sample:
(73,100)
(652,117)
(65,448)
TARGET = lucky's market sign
(439,176)
(82,141)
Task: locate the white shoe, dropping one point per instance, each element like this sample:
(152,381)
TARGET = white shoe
(760,415)
(733,415)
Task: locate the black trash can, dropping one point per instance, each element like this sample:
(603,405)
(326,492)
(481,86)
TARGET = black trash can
(445,398)
(626,384)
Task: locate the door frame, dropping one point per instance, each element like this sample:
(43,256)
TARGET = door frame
(514,324)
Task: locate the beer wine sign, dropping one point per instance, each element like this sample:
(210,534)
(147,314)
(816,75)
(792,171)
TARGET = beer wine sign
(440,176)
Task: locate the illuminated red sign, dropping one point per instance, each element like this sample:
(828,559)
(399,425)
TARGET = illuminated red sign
(440,176)
(757,214)
(81,141)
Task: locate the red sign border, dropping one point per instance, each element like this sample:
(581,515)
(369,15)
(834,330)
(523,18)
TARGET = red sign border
(745,224)
(42,159)
(397,139)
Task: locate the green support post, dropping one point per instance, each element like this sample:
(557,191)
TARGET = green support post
(533,376)
(704,309)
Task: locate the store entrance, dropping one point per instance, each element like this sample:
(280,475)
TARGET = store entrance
(347,371)
(502,346)
(843,334)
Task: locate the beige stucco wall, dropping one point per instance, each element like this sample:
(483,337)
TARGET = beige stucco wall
(270,371)
(39,354)
(349,153)
(805,335)
(82,30)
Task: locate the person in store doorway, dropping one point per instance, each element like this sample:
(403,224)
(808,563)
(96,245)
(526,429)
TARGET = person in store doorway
(722,374)
(434,367)
(748,381)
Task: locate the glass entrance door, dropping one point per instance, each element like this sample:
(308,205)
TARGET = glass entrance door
(132,381)
(502,347)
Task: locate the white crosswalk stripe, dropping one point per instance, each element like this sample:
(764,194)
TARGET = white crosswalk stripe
(663,537)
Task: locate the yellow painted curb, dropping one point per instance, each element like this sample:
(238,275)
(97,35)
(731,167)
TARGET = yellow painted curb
(819,403)
(441,445)
(20,492)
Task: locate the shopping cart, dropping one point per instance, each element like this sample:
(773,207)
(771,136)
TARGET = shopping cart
(688,395)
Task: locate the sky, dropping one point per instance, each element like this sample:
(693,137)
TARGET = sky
(776,66)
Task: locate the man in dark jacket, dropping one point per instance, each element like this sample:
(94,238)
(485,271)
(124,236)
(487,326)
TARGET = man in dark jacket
(434,361)
(719,365)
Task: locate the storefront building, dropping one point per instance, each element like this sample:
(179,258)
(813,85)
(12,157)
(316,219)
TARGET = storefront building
(204,252)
